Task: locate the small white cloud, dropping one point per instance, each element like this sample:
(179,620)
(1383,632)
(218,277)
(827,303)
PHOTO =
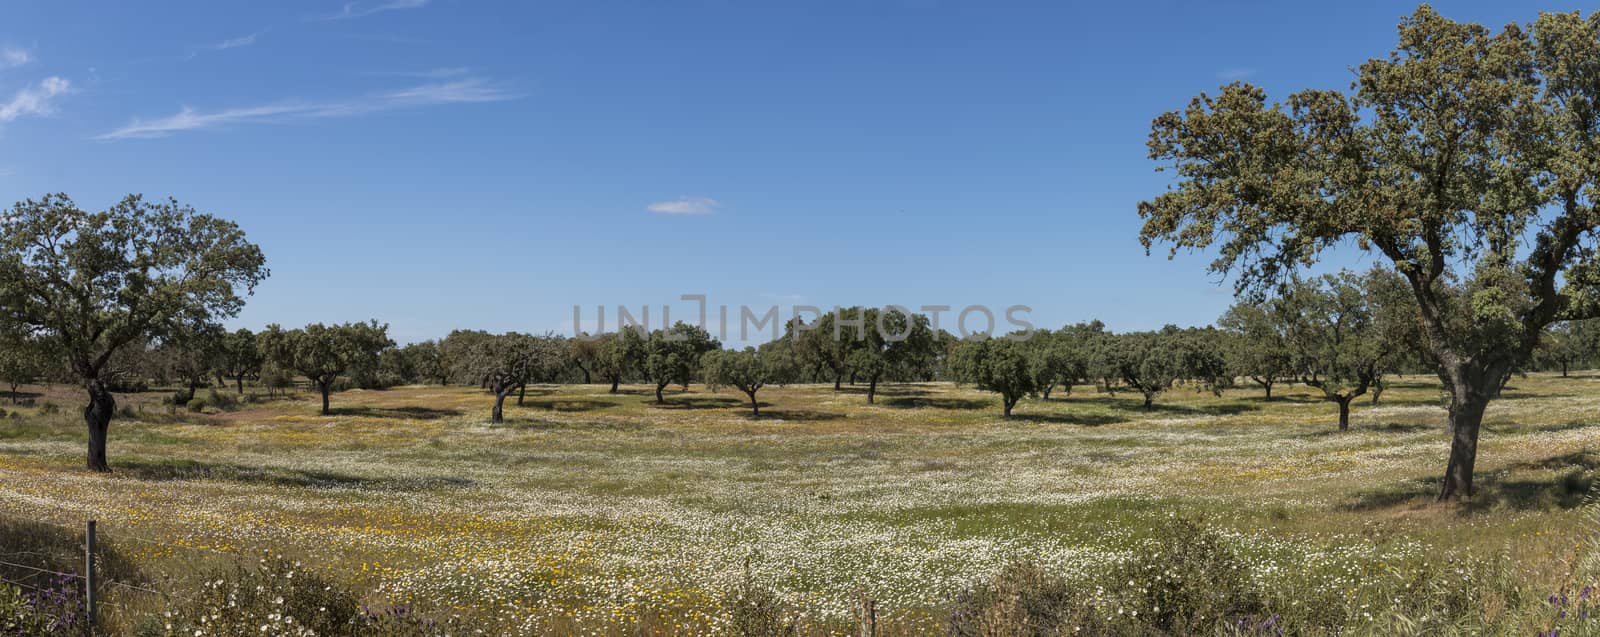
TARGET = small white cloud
(361,10)
(34,100)
(463,91)
(1235,74)
(686,206)
(11,58)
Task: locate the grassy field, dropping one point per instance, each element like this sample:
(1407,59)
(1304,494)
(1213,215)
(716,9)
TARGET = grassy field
(602,513)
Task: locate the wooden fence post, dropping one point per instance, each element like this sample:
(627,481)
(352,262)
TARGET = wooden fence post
(869,616)
(89,579)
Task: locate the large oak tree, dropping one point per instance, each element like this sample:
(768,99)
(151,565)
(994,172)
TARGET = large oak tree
(99,282)
(1468,157)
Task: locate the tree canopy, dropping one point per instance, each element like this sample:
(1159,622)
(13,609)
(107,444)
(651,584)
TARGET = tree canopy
(98,282)
(1465,157)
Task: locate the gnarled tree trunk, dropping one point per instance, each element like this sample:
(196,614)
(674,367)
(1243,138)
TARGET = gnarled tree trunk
(325,387)
(1344,412)
(97,415)
(498,415)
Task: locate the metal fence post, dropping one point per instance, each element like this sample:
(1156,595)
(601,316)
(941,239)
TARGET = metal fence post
(89,578)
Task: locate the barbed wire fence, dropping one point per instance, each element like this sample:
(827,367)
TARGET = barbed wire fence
(70,598)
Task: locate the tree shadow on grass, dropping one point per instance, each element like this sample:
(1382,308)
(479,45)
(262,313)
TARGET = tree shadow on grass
(1086,420)
(1332,428)
(168,470)
(1545,428)
(697,402)
(885,390)
(911,402)
(409,413)
(569,404)
(14,398)
(539,424)
(1135,404)
(1567,488)
(806,415)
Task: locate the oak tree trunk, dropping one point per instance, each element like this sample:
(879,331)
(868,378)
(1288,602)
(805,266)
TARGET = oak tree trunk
(1149,400)
(1466,416)
(522,392)
(1344,413)
(614,381)
(755,407)
(325,387)
(240,380)
(97,415)
(838,378)
(872,390)
(659,399)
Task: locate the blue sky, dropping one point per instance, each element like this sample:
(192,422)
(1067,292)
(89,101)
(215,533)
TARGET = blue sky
(445,163)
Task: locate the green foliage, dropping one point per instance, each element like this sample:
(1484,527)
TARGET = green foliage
(747,370)
(239,357)
(22,360)
(619,354)
(1001,365)
(97,283)
(101,281)
(323,352)
(503,363)
(672,356)
(1465,157)
(1147,362)
(889,344)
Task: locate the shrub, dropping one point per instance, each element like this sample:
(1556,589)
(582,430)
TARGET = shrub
(755,610)
(220,400)
(1188,578)
(197,405)
(1025,601)
(48,408)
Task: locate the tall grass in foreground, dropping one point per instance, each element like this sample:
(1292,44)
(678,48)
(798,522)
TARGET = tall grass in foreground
(1186,578)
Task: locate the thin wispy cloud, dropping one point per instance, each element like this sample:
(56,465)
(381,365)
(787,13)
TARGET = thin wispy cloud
(472,90)
(11,58)
(232,43)
(1235,74)
(431,74)
(685,206)
(34,100)
(364,9)
(238,42)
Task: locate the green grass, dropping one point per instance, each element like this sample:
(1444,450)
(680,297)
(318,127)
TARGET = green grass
(587,509)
